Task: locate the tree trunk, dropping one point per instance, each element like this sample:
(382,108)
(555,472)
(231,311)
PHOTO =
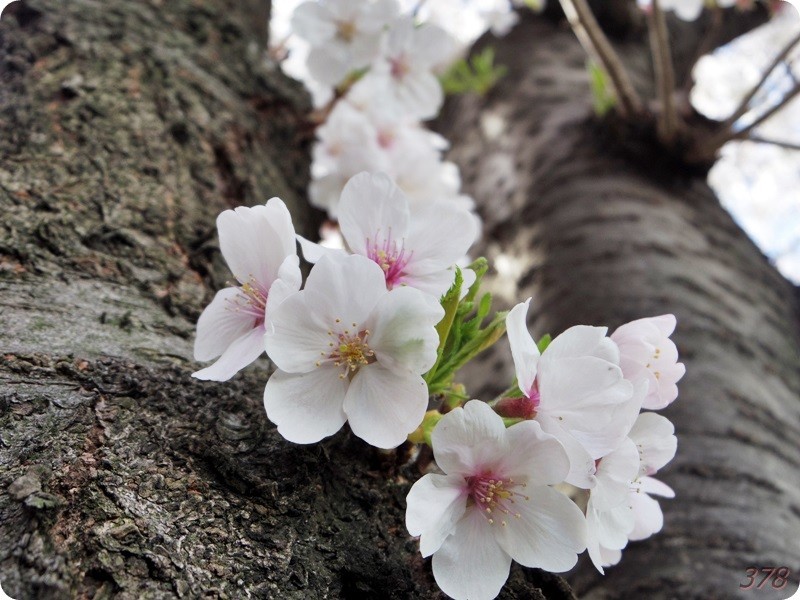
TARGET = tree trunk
(125,128)
(601,226)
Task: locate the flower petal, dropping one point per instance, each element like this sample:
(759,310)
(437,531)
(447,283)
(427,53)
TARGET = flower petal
(523,349)
(220,325)
(297,337)
(581,464)
(254,242)
(306,407)
(383,406)
(372,209)
(471,565)
(648,516)
(404,336)
(345,288)
(469,439)
(433,251)
(654,436)
(583,340)
(537,457)
(238,355)
(549,532)
(435,504)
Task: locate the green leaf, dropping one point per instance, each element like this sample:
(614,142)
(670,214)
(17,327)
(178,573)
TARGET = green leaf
(604,99)
(544,342)
(476,74)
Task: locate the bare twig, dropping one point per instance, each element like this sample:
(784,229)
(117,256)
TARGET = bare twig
(596,44)
(668,121)
(710,147)
(745,104)
(779,143)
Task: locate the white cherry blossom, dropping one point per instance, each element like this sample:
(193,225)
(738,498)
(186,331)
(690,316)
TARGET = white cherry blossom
(346,348)
(402,81)
(344,35)
(416,249)
(259,246)
(620,507)
(647,353)
(493,503)
(576,391)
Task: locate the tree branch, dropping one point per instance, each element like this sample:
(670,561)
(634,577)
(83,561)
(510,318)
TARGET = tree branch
(744,106)
(596,44)
(779,143)
(668,121)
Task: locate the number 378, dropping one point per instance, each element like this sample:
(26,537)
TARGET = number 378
(778,575)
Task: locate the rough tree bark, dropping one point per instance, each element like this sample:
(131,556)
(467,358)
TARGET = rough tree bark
(125,128)
(602,226)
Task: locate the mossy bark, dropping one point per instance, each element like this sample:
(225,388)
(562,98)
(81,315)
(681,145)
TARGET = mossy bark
(125,128)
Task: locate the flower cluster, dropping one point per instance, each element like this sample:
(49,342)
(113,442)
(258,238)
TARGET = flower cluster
(690,10)
(377,333)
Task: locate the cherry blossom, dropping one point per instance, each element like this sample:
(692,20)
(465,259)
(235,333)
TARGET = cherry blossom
(346,348)
(402,81)
(647,353)
(620,506)
(409,247)
(493,504)
(344,35)
(575,390)
(259,246)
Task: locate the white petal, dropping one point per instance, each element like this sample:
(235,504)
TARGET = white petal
(329,64)
(469,439)
(383,407)
(306,407)
(610,527)
(237,356)
(254,243)
(648,516)
(582,469)
(614,474)
(345,288)
(313,22)
(404,336)
(435,504)
(297,338)
(536,457)
(372,209)
(654,486)
(523,349)
(582,340)
(288,282)
(471,565)
(433,251)
(313,252)
(549,533)
(220,325)
(654,436)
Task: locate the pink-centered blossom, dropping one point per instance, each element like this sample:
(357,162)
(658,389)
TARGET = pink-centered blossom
(575,390)
(493,504)
(259,246)
(348,349)
(647,354)
(413,248)
(402,81)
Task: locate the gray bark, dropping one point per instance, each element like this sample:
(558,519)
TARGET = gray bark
(125,128)
(601,226)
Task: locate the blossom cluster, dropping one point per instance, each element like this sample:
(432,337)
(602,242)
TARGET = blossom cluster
(379,329)
(375,336)
(690,10)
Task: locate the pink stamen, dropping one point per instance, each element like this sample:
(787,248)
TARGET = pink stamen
(252,300)
(389,257)
(492,495)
